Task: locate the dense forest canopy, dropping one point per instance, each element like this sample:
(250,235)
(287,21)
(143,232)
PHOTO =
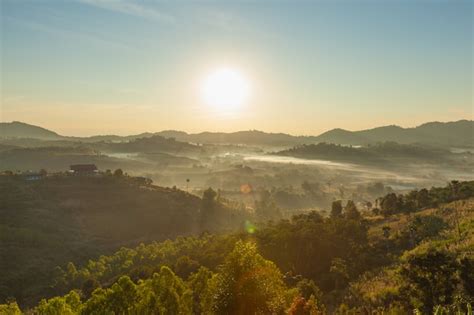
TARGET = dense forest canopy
(305,265)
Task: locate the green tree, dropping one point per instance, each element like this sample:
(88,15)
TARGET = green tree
(185,266)
(69,304)
(10,308)
(200,284)
(389,204)
(165,293)
(430,278)
(248,284)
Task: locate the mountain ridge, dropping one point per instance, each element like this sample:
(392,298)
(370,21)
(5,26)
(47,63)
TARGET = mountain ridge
(453,133)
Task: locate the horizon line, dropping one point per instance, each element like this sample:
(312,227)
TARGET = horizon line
(231,132)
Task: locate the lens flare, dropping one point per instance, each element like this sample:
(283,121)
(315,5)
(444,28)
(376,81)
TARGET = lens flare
(250,227)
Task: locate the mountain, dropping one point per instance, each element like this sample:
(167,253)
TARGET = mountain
(250,137)
(21,130)
(18,129)
(457,133)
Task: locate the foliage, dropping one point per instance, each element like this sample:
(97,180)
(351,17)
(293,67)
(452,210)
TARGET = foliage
(430,278)
(248,284)
(334,264)
(63,219)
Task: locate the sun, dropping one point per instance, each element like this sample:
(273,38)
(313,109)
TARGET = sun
(225,88)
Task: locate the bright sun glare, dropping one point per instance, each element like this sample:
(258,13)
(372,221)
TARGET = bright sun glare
(225,88)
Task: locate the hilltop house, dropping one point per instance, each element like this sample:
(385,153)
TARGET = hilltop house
(84,169)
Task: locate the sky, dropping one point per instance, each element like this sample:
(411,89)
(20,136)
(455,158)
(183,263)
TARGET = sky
(121,67)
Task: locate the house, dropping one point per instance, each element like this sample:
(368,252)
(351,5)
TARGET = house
(84,169)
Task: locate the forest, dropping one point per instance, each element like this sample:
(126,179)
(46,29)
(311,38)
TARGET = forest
(410,252)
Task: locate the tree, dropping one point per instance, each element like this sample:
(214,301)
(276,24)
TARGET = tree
(118,172)
(248,284)
(421,228)
(170,294)
(350,211)
(336,209)
(208,208)
(302,306)
(307,289)
(200,284)
(430,278)
(10,308)
(466,275)
(209,198)
(119,299)
(423,199)
(340,273)
(69,304)
(389,204)
(185,266)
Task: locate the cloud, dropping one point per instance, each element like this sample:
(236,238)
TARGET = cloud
(131,8)
(65,33)
(220,19)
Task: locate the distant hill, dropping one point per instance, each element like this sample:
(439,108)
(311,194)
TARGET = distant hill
(458,133)
(383,152)
(250,137)
(152,144)
(18,129)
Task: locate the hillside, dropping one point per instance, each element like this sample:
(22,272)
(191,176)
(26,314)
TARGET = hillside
(48,222)
(349,262)
(152,144)
(57,159)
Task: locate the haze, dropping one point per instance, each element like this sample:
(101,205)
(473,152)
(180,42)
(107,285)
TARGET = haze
(236,157)
(99,67)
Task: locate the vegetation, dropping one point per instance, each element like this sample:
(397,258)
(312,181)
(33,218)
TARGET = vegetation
(417,257)
(383,152)
(62,218)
